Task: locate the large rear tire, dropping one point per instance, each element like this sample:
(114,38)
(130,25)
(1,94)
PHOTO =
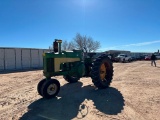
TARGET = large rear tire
(102,72)
(50,88)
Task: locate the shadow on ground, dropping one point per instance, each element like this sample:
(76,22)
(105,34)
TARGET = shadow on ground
(70,103)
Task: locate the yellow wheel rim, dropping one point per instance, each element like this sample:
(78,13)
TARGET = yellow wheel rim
(103,71)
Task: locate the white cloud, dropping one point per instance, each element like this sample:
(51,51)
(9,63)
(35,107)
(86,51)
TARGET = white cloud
(129,45)
(142,44)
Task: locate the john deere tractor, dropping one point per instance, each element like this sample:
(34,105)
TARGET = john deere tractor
(73,65)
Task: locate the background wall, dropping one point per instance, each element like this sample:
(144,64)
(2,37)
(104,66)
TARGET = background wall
(21,58)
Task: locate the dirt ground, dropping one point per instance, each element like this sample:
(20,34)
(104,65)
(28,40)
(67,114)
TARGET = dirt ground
(134,94)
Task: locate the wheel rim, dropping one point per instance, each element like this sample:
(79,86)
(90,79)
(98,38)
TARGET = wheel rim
(102,72)
(52,88)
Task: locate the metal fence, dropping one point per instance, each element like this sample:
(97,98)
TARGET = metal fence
(21,58)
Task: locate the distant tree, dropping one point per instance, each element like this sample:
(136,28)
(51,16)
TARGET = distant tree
(64,45)
(67,45)
(81,42)
(86,43)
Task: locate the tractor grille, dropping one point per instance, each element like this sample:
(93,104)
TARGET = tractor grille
(50,65)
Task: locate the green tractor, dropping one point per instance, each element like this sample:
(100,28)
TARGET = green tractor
(73,65)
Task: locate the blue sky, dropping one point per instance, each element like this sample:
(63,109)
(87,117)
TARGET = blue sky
(118,24)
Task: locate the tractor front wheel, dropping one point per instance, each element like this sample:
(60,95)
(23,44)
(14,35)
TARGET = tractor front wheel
(39,86)
(50,88)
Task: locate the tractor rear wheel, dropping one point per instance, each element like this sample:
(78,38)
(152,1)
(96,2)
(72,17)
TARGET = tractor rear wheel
(50,88)
(102,72)
(71,79)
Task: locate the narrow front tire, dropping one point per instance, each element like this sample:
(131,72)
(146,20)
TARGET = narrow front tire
(39,86)
(50,88)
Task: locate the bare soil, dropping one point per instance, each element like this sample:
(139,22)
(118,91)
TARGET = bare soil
(134,94)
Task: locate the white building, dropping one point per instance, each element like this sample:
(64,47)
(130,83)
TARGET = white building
(21,58)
